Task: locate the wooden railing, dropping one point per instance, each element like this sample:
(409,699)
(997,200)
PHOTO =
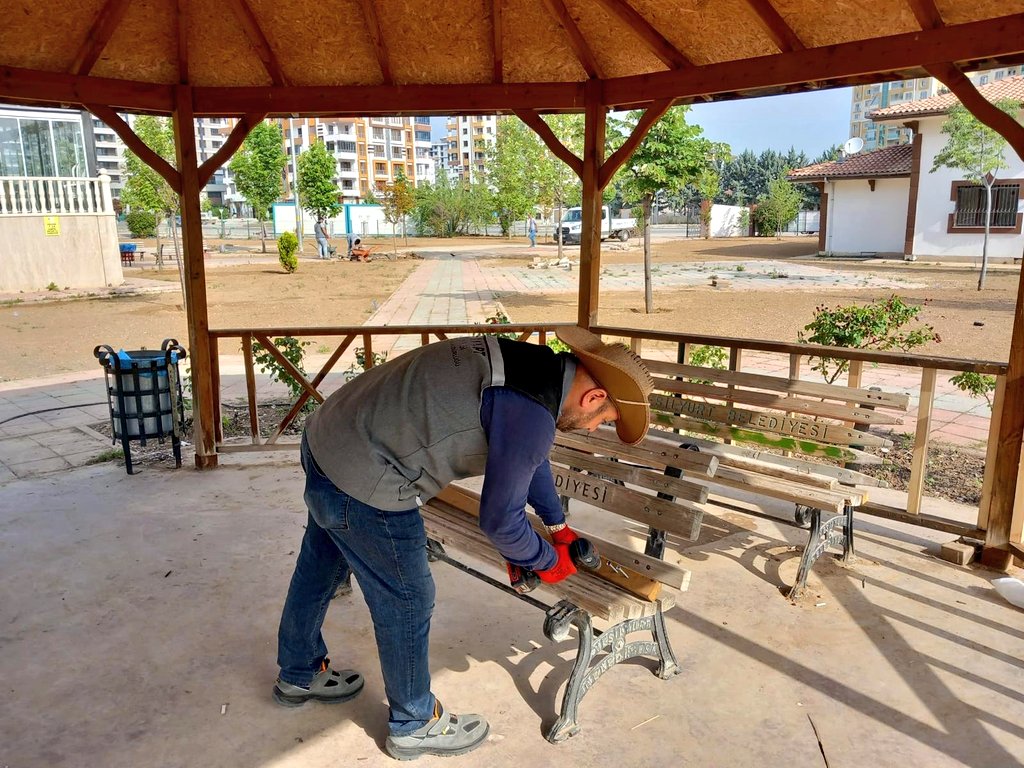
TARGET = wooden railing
(929,366)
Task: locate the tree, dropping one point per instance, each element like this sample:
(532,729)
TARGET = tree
(708,184)
(558,185)
(257,168)
(444,208)
(512,171)
(672,154)
(318,192)
(977,150)
(145,189)
(396,200)
(778,207)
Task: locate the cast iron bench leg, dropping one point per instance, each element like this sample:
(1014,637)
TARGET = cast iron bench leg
(820,537)
(613,644)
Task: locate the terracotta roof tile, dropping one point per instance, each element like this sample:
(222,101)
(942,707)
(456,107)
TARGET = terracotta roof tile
(887,161)
(1007,88)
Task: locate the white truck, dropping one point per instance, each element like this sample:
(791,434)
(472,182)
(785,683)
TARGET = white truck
(572,223)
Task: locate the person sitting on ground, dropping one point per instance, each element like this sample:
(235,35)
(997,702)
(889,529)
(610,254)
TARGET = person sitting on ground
(395,436)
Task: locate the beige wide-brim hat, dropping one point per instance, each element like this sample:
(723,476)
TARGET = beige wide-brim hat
(621,373)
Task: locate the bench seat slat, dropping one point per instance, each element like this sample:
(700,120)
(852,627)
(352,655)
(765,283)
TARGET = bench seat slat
(862,396)
(594,595)
(468,501)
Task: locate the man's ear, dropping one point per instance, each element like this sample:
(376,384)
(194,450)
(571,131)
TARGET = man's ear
(595,397)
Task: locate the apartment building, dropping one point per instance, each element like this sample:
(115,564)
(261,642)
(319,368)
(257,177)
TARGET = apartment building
(469,139)
(442,161)
(867,98)
(369,151)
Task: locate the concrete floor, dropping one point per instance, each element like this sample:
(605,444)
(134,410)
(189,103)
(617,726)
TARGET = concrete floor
(139,617)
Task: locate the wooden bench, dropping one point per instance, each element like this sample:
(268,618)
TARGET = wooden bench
(631,590)
(781,439)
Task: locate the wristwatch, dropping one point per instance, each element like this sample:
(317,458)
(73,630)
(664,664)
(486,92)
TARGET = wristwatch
(556,528)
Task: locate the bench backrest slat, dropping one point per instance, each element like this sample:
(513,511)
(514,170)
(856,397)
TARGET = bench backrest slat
(778,402)
(783,424)
(655,481)
(870,397)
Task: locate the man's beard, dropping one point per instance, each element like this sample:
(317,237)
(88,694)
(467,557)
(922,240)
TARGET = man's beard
(571,420)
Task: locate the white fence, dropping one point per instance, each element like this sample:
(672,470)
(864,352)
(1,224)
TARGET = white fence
(55,195)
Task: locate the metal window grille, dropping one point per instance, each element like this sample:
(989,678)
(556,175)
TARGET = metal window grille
(970,205)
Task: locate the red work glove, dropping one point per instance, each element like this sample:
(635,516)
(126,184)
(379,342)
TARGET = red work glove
(564,536)
(563,568)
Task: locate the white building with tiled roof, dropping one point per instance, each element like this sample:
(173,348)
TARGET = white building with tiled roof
(888,201)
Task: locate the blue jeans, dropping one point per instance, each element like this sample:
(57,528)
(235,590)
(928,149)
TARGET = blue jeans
(533,239)
(323,249)
(387,553)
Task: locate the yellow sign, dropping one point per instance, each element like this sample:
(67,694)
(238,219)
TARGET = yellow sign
(51,225)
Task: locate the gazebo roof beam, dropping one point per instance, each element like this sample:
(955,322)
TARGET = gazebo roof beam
(137,145)
(482,98)
(99,35)
(258,40)
(373,28)
(181,8)
(927,14)
(652,115)
(781,33)
(558,149)
(234,140)
(560,13)
(496,31)
(1002,36)
(660,46)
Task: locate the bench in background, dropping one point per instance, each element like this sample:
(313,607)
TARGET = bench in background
(782,439)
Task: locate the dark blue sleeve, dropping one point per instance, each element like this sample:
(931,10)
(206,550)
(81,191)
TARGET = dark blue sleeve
(520,432)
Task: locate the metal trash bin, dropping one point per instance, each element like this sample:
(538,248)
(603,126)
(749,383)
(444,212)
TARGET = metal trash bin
(144,394)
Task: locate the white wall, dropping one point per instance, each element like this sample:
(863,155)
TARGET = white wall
(934,205)
(725,220)
(83,255)
(860,220)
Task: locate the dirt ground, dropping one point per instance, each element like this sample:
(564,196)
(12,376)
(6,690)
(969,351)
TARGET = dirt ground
(50,337)
(952,303)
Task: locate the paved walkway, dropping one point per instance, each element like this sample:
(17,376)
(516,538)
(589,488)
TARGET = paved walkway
(46,424)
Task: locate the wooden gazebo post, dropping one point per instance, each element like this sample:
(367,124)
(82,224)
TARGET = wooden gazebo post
(594,127)
(1003,518)
(196,310)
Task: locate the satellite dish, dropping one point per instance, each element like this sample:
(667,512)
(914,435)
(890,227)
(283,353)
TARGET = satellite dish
(853,145)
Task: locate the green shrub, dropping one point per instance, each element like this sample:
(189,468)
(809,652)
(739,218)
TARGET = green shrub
(141,223)
(287,244)
(975,384)
(876,325)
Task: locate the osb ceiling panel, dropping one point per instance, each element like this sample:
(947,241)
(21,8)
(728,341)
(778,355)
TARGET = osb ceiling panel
(219,52)
(534,46)
(145,44)
(616,48)
(38,36)
(441,42)
(317,47)
(841,21)
(959,12)
(707,31)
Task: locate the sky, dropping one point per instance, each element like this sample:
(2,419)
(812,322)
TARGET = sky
(811,122)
